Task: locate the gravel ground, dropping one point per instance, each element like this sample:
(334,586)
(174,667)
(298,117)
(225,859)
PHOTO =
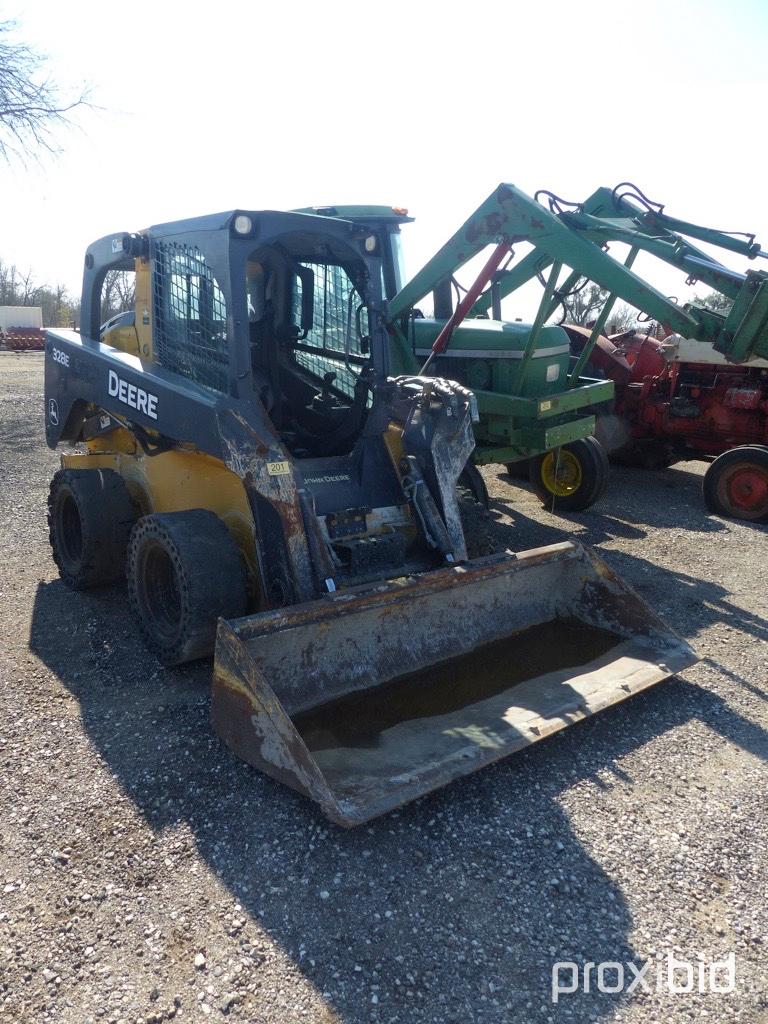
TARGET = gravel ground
(147,875)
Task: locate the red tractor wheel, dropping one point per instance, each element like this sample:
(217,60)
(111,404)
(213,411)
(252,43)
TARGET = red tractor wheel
(736,484)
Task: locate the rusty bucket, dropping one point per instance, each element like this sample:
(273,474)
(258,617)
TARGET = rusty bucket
(369,698)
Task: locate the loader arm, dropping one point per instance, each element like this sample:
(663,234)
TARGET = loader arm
(511,216)
(629,217)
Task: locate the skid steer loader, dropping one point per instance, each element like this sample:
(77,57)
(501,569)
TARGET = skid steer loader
(241,456)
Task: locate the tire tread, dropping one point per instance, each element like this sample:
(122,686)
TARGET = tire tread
(210,574)
(107,515)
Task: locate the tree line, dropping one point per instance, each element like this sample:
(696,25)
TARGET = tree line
(32,110)
(19,288)
(585,302)
(61,308)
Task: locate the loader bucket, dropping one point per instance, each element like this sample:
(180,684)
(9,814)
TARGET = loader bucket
(369,698)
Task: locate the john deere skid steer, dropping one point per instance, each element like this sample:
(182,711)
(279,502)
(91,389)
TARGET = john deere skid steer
(241,457)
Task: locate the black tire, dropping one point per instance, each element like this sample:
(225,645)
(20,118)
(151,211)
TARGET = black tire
(471,480)
(649,455)
(472,497)
(477,527)
(184,572)
(736,484)
(587,464)
(90,515)
(519,470)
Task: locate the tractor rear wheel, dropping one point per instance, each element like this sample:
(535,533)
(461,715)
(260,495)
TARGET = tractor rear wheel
(570,478)
(736,484)
(90,515)
(184,573)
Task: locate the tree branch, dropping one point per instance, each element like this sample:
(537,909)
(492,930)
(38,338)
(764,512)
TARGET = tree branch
(30,106)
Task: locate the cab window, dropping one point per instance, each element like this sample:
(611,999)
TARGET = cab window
(338,339)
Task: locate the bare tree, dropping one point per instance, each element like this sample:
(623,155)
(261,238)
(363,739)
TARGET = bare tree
(27,289)
(713,300)
(585,302)
(57,306)
(31,106)
(9,294)
(118,293)
(19,289)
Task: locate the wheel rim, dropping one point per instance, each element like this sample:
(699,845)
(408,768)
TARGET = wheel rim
(746,490)
(70,530)
(159,592)
(561,473)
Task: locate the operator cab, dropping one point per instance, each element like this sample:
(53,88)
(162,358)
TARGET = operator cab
(310,344)
(265,304)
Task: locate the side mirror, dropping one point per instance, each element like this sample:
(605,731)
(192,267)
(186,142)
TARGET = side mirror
(307,277)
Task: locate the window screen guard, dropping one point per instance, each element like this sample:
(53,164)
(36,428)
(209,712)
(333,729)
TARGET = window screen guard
(190,315)
(333,343)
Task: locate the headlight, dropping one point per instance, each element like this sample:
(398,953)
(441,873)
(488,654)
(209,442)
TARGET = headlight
(243,224)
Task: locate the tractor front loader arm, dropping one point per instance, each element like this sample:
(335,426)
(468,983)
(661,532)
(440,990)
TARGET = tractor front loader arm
(577,235)
(509,215)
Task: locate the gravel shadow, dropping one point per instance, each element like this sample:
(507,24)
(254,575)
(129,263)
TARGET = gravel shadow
(453,909)
(690,604)
(631,502)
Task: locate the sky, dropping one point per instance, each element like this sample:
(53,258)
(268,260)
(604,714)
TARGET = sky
(428,105)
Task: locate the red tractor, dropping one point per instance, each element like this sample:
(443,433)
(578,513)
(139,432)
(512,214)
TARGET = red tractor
(678,399)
